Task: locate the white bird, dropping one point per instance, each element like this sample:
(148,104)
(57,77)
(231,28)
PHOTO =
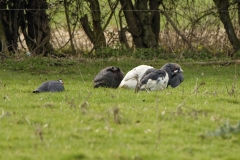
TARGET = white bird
(133,77)
(50,86)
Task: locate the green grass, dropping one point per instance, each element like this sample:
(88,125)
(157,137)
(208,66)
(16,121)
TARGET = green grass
(172,124)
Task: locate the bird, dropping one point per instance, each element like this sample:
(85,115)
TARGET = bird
(159,79)
(175,74)
(132,78)
(154,80)
(109,77)
(50,86)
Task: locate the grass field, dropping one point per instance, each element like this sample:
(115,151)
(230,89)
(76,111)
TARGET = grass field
(87,123)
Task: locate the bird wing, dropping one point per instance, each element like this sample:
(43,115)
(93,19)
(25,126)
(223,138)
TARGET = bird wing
(153,76)
(148,72)
(50,86)
(101,77)
(42,88)
(108,77)
(55,86)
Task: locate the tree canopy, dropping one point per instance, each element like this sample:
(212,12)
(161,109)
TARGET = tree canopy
(44,27)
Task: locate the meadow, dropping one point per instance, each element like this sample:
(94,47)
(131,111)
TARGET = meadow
(197,120)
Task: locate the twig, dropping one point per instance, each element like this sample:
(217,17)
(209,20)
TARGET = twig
(3,114)
(196,87)
(222,63)
(176,29)
(84,105)
(116,115)
(231,92)
(179,108)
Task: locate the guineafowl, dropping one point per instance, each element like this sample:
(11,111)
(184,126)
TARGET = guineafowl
(50,86)
(109,77)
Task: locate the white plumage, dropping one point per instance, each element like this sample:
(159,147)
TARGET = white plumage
(133,77)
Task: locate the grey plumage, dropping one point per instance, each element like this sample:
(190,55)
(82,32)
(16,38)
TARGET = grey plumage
(148,71)
(176,80)
(50,86)
(109,77)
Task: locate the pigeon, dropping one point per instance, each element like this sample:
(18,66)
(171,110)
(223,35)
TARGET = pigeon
(159,79)
(109,77)
(132,78)
(50,86)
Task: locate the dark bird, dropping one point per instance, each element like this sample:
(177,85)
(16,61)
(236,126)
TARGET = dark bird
(50,86)
(153,79)
(109,77)
(175,73)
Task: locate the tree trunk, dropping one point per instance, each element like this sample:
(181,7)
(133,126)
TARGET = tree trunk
(95,34)
(238,7)
(3,39)
(133,25)
(10,23)
(155,18)
(144,18)
(97,28)
(143,25)
(87,29)
(223,6)
(38,38)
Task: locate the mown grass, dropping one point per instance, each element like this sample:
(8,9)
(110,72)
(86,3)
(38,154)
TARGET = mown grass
(87,123)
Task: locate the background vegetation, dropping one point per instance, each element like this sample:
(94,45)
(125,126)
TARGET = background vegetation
(182,29)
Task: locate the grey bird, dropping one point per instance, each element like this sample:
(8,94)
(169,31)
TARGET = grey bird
(159,79)
(50,86)
(175,74)
(109,77)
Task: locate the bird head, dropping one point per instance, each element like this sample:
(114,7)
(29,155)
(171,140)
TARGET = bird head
(61,81)
(113,69)
(172,68)
(174,71)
